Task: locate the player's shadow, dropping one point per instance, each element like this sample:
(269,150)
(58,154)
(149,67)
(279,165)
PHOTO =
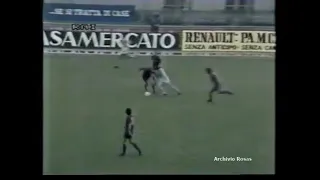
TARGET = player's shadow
(164,96)
(130,155)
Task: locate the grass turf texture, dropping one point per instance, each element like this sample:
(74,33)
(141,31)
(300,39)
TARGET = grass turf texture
(85,98)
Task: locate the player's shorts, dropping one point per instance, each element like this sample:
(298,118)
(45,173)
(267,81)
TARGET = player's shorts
(146,75)
(149,79)
(162,81)
(127,136)
(216,87)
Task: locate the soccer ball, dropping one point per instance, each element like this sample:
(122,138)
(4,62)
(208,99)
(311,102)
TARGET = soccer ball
(147,93)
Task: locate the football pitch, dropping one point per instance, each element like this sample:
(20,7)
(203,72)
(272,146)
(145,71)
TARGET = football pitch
(85,99)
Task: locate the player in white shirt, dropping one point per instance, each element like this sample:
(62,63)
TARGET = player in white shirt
(163,79)
(125,50)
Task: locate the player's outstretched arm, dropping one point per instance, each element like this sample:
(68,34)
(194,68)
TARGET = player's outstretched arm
(143,68)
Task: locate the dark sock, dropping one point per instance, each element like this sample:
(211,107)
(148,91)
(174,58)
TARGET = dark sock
(136,147)
(146,87)
(124,149)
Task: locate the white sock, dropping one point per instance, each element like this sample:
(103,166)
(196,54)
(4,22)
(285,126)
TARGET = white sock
(174,88)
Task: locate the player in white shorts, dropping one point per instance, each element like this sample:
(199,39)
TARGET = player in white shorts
(163,79)
(125,50)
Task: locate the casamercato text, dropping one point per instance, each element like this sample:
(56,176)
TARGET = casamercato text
(68,39)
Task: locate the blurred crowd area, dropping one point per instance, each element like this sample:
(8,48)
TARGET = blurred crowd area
(194,12)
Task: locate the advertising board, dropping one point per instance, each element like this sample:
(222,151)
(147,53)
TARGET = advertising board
(210,41)
(110,40)
(88,13)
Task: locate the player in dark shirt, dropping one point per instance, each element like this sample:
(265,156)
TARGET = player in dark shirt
(128,133)
(148,76)
(216,85)
(155,60)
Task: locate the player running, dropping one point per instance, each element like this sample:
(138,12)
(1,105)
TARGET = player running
(128,133)
(162,78)
(125,50)
(216,85)
(148,77)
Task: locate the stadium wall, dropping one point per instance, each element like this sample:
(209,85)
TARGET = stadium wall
(93,32)
(199,12)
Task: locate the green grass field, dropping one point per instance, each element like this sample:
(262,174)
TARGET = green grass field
(85,98)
